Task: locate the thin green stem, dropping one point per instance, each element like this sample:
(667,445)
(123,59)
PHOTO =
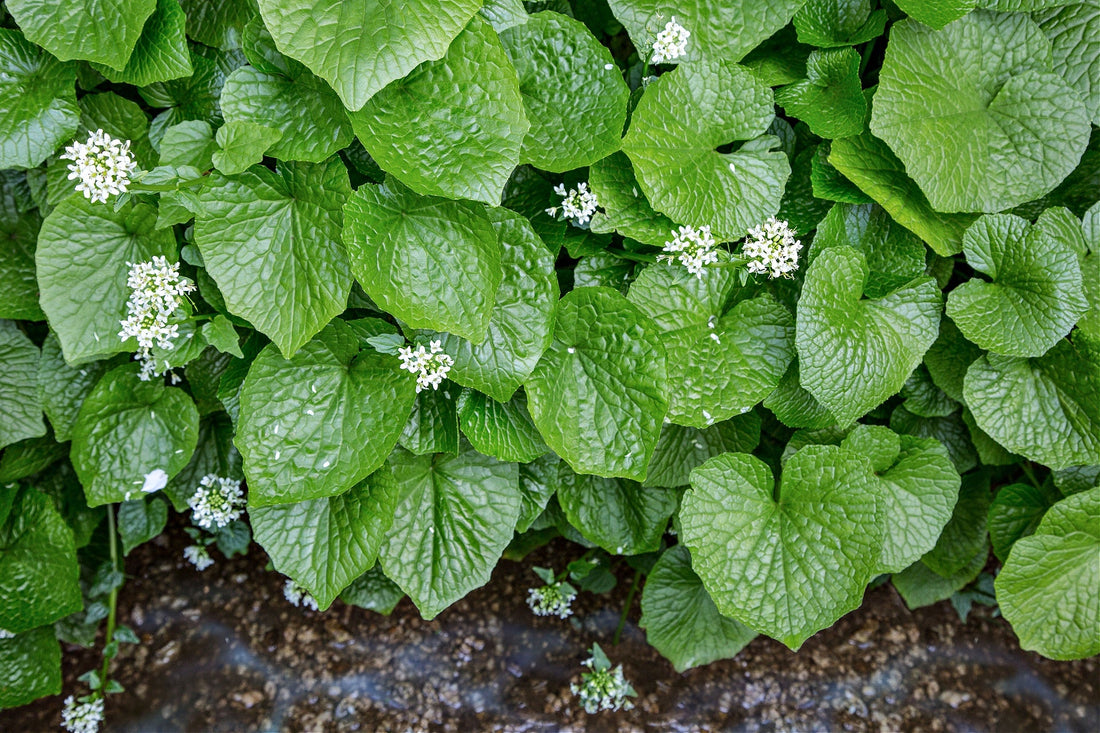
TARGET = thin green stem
(632,256)
(868,50)
(112,613)
(626,608)
(1031,476)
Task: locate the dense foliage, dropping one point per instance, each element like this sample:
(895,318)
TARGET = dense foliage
(770,301)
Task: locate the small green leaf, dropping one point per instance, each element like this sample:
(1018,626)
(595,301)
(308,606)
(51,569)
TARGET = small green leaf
(830,23)
(219,333)
(373,591)
(1015,512)
(18,235)
(538,481)
(189,143)
(680,449)
(621,516)
(625,208)
(830,100)
(242,145)
(140,520)
(503,430)
(19,401)
(919,586)
(966,532)
(433,425)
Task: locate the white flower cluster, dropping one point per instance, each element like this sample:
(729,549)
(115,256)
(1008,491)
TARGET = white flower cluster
(82,717)
(577,204)
(103,165)
(554,599)
(216,502)
(772,249)
(430,367)
(298,595)
(694,248)
(156,293)
(603,689)
(671,43)
(5,634)
(198,556)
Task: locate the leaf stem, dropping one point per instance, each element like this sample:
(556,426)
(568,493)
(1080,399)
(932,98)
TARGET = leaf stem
(632,256)
(1030,475)
(113,600)
(626,608)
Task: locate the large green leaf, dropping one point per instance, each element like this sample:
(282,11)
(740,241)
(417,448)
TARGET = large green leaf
(870,164)
(720,29)
(830,99)
(431,262)
(83,256)
(39,575)
(680,449)
(1016,512)
(621,516)
(625,208)
(854,353)
(269,238)
(218,24)
(1048,588)
(790,560)
(975,112)
(38,109)
(453,522)
(360,46)
(1074,33)
(127,429)
(680,619)
(92,30)
(18,235)
(20,404)
(325,544)
(452,127)
(320,422)
(160,53)
(673,139)
(723,358)
(31,665)
(559,62)
(283,95)
(503,430)
(598,394)
(1045,409)
(520,325)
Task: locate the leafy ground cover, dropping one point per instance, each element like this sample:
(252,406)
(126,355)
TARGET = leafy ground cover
(771,301)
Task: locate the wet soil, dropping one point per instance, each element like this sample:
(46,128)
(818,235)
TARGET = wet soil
(222,650)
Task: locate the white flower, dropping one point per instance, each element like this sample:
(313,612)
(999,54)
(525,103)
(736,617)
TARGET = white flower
(577,204)
(156,294)
(603,688)
(102,164)
(554,599)
(694,248)
(430,367)
(5,634)
(198,556)
(155,480)
(298,595)
(671,43)
(82,717)
(216,502)
(772,249)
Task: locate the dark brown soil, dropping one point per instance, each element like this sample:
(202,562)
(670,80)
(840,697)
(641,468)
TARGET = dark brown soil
(223,651)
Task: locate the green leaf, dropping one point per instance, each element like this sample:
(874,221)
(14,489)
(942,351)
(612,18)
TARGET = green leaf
(373,591)
(84,251)
(680,619)
(830,23)
(242,146)
(625,208)
(272,237)
(219,24)
(949,358)
(329,38)
(160,53)
(936,13)
(520,325)
(119,117)
(310,116)
(19,401)
(18,235)
(538,481)
(39,575)
(1034,297)
(854,353)
(966,532)
(504,14)
(104,31)
(830,100)
(433,425)
(787,562)
(452,127)
(923,398)
(1075,479)
(38,111)
(234,538)
(1074,33)
(558,61)
(673,139)
(723,358)
(1015,512)
(503,430)
(680,449)
(31,664)
(28,457)
(727,29)
(951,430)
(621,516)
(598,394)
(870,164)
(189,143)
(214,454)
(1048,587)
(320,422)
(794,406)
(920,587)
(63,388)
(1045,409)
(325,544)
(975,112)
(219,333)
(191,98)
(128,428)
(140,520)
(828,184)
(454,520)
(430,262)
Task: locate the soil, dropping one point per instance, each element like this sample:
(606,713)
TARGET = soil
(222,650)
